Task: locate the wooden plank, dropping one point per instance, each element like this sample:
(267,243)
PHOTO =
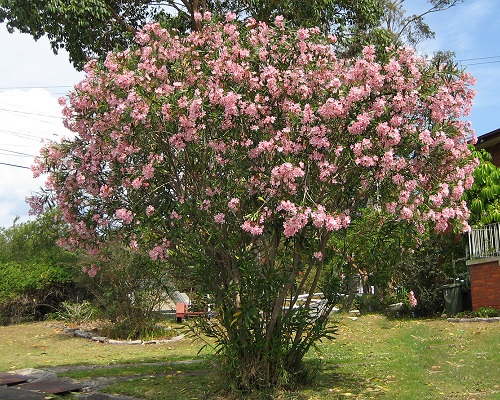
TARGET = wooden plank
(7,379)
(14,393)
(52,386)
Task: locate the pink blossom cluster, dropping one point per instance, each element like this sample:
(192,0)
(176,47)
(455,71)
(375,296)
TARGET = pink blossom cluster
(160,251)
(92,271)
(298,217)
(412,299)
(256,128)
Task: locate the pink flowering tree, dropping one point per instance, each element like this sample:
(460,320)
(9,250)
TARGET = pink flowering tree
(239,151)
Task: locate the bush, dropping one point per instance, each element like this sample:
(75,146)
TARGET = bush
(75,313)
(483,312)
(487,312)
(128,289)
(30,290)
(36,275)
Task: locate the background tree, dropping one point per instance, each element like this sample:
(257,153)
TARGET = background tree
(368,253)
(484,195)
(90,29)
(411,29)
(35,273)
(432,261)
(239,151)
(128,290)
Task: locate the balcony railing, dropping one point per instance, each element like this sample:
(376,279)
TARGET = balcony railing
(485,241)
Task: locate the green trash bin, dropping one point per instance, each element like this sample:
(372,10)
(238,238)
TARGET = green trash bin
(452,298)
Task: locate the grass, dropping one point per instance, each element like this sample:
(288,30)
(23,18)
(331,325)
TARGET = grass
(372,358)
(413,359)
(39,345)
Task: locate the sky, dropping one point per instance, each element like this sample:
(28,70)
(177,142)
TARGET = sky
(32,78)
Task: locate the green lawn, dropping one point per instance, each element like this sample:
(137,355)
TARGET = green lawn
(411,359)
(372,358)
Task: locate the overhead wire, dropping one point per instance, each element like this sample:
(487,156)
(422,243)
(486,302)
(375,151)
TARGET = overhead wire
(14,165)
(466,61)
(478,58)
(26,135)
(17,153)
(34,87)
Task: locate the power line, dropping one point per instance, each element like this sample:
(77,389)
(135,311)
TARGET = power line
(27,135)
(24,108)
(481,63)
(14,165)
(24,145)
(478,58)
(34,87)
(12,94)
(30,113)
(17,153)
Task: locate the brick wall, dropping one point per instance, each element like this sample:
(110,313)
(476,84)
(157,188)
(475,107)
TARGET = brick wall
(485,283)
(495,153)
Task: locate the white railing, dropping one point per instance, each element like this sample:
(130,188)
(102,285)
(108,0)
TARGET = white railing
(485,241)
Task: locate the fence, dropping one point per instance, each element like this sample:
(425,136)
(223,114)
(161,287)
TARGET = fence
(485,241)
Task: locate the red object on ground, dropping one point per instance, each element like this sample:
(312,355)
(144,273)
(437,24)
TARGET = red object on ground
(182,311)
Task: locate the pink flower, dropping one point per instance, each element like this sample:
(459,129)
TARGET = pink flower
(197,17)
(295,223)
(285,175)
(175,215)
(279,21)
(252,228)
(134,246)
(148,171)
(150,210)
(137,183)
(406,213)
(160,251)
(125,215)
(220,219)
(233,204)
(106,191)
(288,206)
(230,17)
(80,178)
(332,223)
(391,207)
(412,299)
(92,271)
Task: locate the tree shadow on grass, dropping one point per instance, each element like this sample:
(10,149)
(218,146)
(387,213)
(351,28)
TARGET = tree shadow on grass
(339,381)
(200,381)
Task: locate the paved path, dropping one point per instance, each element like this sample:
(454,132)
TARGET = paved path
(14,393)
(89,387)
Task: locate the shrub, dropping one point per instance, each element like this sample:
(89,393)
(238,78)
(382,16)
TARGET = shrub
(128,289)
(487,312)
(29,290)
(75,313)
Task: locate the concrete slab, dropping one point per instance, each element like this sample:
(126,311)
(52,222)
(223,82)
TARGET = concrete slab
(14,393)
(7,378)
(51,386)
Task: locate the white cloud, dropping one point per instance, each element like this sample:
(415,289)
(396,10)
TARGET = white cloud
(27,63)
(27,120)
(28,116)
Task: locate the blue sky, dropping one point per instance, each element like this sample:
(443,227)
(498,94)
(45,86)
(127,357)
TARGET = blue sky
(472,31)
(32,78)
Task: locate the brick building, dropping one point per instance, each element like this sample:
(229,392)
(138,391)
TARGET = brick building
(491,143)
(484,245)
